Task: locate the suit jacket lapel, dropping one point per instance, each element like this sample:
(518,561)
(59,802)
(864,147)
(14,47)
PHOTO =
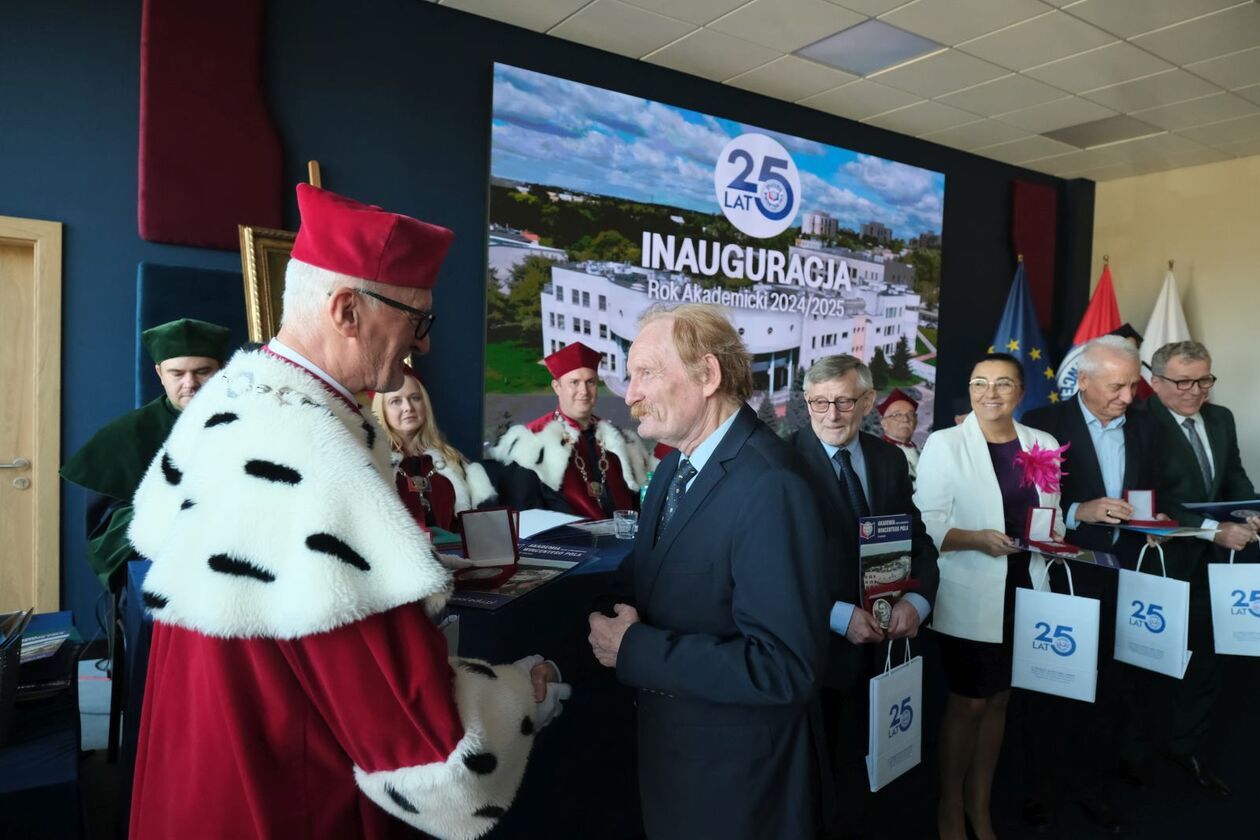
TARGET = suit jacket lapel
(1181,445)
(1216,441)
(646,561)
(877,487)
(821,466)
(1132,456)
(709,477)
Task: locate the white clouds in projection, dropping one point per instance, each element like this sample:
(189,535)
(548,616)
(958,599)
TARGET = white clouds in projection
(575,136)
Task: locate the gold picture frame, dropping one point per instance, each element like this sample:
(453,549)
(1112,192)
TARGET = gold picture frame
(264,256)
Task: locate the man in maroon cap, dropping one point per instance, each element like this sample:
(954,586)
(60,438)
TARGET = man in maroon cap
(569,460)
(297,686)
(898,414)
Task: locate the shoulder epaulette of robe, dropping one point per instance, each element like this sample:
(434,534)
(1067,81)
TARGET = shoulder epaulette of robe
(271,512)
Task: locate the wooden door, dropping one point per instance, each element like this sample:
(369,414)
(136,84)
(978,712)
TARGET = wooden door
(30,413)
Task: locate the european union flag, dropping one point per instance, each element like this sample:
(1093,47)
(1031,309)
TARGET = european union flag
(1018,334)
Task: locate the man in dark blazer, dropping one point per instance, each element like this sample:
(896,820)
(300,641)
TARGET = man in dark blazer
(1201,463)
(1111,450)
(839,393)
(727,640)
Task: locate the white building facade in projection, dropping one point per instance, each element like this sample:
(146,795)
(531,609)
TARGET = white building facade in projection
(873,307)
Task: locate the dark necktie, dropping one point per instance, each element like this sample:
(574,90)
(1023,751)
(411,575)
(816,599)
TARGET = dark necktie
(1200,454)
(849,482)
(674,495)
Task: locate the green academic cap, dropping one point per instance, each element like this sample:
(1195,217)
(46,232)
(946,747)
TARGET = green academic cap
(186,337)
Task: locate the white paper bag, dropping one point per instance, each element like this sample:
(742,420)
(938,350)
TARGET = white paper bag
(1235,591)
(1153,620)
(1056,643)
(895,741)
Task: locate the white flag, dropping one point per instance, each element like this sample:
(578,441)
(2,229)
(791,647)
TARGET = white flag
(1167,324)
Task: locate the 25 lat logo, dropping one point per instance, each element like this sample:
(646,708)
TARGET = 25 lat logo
(900,716)
(1060,641)
(758,186)
(1245,603)
(1150,616)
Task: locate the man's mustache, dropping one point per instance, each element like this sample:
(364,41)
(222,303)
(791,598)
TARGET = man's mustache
(640,410)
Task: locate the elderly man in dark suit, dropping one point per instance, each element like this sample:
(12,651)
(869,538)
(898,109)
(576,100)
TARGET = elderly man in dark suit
(855,475)
(1111,450)
(1201,463)
(727,640)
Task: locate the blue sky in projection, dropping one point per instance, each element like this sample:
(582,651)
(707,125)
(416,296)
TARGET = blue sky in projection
(553,131)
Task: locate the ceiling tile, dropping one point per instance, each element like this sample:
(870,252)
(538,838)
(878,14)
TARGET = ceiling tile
(1158,149)
(621,28)
(1251,93)
(1109,65)
(1037,41)
(976,134)
(922,118)
(692,11)
(1151,92)
(791,78)
(711,55)
(1070,110)
(1029,148)
(1205,109)
(870,7)
(786,25)
(1109,173)
(1002,95)
(1228,131)
(868,48)
(1216,34)
(1230,71)
(539,15)
(1126,18)
(1246,148)
(954,21)
(1103,132)
(943,72)
(859,100)
(1076,161)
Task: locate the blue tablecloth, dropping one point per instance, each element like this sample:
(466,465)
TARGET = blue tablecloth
(581,780)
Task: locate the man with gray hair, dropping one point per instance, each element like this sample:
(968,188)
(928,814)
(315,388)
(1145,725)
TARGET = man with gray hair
(856,474)
(726,639)
(1201,463)
(297,685)
(1111,450)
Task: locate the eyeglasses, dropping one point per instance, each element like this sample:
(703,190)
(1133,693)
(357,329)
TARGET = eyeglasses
(422,319)
(843,404)
(900,415)
(1205,383)
(980,385)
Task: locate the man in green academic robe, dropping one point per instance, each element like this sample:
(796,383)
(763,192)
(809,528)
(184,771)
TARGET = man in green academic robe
(185,353)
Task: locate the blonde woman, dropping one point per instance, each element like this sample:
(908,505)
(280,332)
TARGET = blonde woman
(434,480)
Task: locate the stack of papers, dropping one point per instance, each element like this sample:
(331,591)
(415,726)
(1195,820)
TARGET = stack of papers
(43,645)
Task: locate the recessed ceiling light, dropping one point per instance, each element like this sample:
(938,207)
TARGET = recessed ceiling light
(1091,135)
(868,47)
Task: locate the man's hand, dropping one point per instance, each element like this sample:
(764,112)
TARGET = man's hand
(994,543)
(1104,511)
(1234,535)
(863,628)
(548,691)
(904,623)
(607,633)
(541,674)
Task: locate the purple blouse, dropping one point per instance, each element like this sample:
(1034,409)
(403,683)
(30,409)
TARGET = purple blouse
(1016,500)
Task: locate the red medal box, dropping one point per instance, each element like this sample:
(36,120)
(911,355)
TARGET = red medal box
(1039,534)
(1143,502)
(491,545)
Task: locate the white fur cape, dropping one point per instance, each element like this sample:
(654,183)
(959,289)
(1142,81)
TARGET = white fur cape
(271,512)
(547,452)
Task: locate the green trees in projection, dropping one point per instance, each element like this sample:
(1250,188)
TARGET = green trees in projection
(879,369)
(608,245)
(524,297)
(927,275)
(901,361)
(767,415)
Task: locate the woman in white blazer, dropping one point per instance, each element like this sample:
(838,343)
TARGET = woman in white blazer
(974,508)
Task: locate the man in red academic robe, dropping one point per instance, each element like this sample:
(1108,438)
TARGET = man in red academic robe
(899,415)
(297,686)
(569,460)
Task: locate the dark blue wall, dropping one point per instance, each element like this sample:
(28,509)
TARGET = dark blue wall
(393,98)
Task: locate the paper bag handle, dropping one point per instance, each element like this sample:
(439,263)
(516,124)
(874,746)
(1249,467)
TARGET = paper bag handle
(1162,567)
(1067,567)
(888,655)
(1231,557)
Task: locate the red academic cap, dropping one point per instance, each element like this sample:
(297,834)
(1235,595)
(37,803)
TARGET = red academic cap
(342,235)
(576,355)
(897,395)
